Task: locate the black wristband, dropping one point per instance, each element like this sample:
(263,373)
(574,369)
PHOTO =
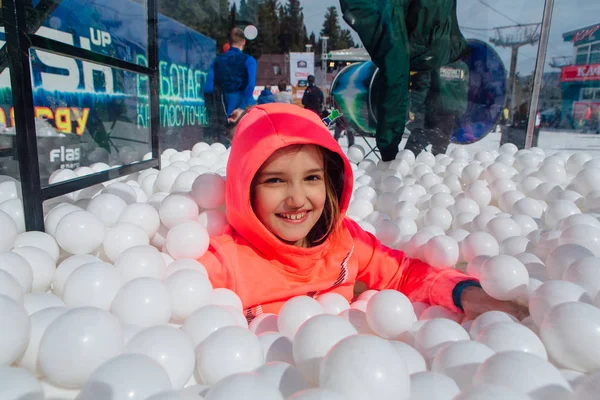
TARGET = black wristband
(458,289)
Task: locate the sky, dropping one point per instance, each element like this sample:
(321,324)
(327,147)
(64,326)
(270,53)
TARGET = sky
(484,15)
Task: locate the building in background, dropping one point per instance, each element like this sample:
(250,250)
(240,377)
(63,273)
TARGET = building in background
(580,81)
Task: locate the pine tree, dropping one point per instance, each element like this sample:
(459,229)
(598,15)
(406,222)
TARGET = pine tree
(243,11)
(338,38)
(268,27)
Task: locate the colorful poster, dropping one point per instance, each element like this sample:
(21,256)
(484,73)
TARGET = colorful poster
(301,66)
(108,108)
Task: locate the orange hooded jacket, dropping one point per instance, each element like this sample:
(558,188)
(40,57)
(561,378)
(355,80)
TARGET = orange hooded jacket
(265,272)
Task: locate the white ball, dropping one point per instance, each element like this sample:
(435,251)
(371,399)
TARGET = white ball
(143,215)
(34,302)
(359,209)
(390,314)
(413,359)
(18,384)
(276,347)
(333,303)
(143,302)
(215,221)
(284,377)
(208,191)
(244,385)
(92,285)
(438,217)
(169,347)
(460,360)
(432,386)
(40,321)
(11,288)
(522,372)
(40,240)
(42,265)
(80,232)
(355,154)
(144,378)
(166,177)
(78,342)
(435,333)
(441,252)
(108,207)
(365,366)
(313,341)
(227,351)
(8,233)
(140,261)
(585,273)
(295,312)
(510,336)
(487,392)
(504,277)
(187,240)
(569,332)
(177,208)
(226,297)
(563,256)
(479,244)
(552,293)
(188,291)
(66,267)
(358,319)
(16,332)
(18,267)
(206,320)
(121,237)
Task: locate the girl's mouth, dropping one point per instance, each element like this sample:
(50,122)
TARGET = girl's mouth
(293,217)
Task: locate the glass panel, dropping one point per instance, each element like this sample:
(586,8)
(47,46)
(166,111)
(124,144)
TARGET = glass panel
(10,186)
(569,106)
(87,114)
(112,27)
(190,35)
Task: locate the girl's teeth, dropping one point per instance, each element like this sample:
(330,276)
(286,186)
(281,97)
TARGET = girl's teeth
(294,217)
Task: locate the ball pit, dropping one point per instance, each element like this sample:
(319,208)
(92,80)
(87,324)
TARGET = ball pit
(110,302)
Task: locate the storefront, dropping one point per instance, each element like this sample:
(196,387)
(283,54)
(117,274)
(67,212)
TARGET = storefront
(580,82)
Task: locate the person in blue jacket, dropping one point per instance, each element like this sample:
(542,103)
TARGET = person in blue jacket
(235,74)
(266,96)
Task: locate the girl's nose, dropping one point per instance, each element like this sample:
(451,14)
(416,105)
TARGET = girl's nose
(296,196)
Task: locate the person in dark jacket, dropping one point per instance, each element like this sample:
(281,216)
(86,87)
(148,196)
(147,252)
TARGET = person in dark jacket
(313,98)
(403,36)
(438,98)
(235,74)
(266,96)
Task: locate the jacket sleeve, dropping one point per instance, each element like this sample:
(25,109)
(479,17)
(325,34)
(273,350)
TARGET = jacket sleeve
(217,265)
(381,267)
(251,66)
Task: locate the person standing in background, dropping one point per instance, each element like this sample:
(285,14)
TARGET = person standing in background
(266,96)
(313,98)
(283,96)
(235,74)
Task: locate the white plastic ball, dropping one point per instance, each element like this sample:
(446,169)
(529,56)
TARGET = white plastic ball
(19,384)
(144,378)
(313,341)
(206,320)
(187,240)
(441,252)
(208,191)
(143,302)
(552,293)
(143,215)
(228,351)
(42,265)
(177,208)
(108,207)
(364,366)
(504,277)
(244,385)
(16,332)
(80,232)
(78,342)
(188,291)
(40,240)
(92,285)
(284,377)
(121,237)
(432,386)
(295,312)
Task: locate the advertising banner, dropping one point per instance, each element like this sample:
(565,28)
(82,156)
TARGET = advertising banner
(80,98)
(301,66)
(579,73)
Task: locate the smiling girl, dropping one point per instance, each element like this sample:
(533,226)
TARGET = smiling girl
(288,189)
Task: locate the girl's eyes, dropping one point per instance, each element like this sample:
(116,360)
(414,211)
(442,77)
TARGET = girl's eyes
(311,178)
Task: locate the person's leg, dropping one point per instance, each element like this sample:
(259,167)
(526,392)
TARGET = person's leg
(420,90)
(382,31)
(441,133)
(350,136)
(337,133)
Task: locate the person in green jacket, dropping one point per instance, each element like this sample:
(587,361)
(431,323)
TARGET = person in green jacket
(400,36)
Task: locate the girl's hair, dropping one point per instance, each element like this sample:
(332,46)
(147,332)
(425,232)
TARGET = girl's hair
(334,185)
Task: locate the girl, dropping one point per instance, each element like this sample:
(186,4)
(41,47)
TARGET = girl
(288,189)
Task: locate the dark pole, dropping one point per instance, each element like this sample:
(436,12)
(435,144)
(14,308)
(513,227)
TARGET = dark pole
(17,43)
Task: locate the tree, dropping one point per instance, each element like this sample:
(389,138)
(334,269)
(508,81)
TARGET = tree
(268,27)
(338,38)
(293,32)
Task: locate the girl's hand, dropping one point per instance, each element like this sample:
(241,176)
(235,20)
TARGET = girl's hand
(475,302)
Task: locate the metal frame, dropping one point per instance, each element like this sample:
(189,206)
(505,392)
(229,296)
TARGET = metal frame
(19,41)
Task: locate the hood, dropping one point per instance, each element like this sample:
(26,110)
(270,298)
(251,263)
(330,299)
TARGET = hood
(263,130)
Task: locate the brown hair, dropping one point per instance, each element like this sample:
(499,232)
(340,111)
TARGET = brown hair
(282,85)
(333,174)
(237,37)
(334,185)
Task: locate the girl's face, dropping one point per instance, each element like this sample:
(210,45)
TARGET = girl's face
(289,192)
